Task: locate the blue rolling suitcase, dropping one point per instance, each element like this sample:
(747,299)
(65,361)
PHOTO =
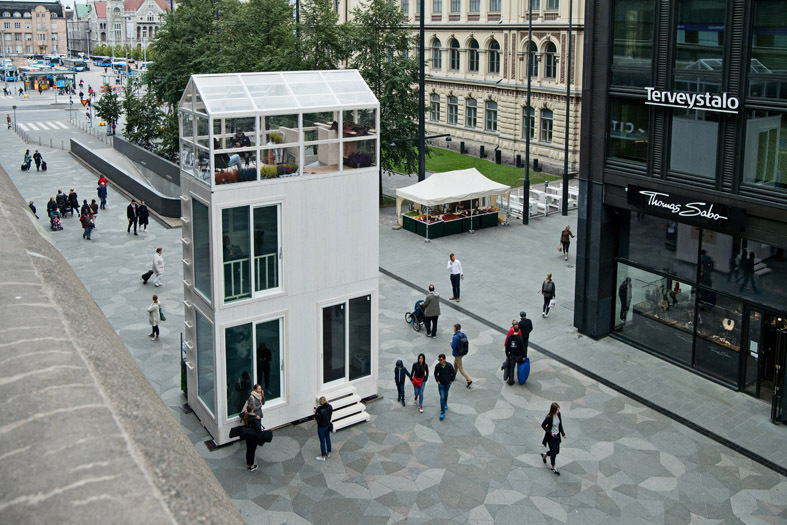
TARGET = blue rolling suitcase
(523,371)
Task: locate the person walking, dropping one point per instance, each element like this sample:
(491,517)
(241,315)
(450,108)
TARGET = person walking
(419,374)
(565,241)
(51,206)
(624,293)
(552,435)
(255,402)
(459,349)
(7,116)
(455,270)
(748,273)
(102,195)
(62,202)
(158,267)
(431,311)
(73,201)
(444,375)
(87,224)
(131,215)
(252,437)
(144,216)
(94,207)
(32,208)
(85,207)
(28,160)
(400,374)
(525,327)
(548,291)
(154,318)
(322,415)
(515,353)
(37,158)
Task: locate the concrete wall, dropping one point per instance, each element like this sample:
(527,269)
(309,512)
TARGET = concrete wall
(161,204)
(160,173)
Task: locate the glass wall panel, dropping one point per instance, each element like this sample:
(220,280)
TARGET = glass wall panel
(187,155)
(693,145)
(269,353)
(360,337)
(768,72)
(321,126)
(762,274)
(200,220)
(629,121)
(656,312)
(281,129)
(206,371)
(359,154)
(203,130)
(765,154)
(700,36)
(236,253)
(239,348)
(333,343)
(752,353)
(719,321)
(359,123)
(632,42)
(266,248)
(661,244)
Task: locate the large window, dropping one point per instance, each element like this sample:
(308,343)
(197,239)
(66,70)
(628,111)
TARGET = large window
(454,62)
(437,54)
(240,276)
(239,352)
(694,140)
(632,42)
(546,125)
(663,244)
(434,107)
(768,73)
(529,122)
(471,113)
(406,6)
(456,6)
(535,5)
(765,154)
(268,359)
(200,219)
(717,346)
(494,5)
(490,116)
(628,130)
(437,6)
(206,370)
(472,56)
(494,57)
(453,110)
(553,4)
(347,339)
(550,61)
(475,6)
(532,60)
(700,34)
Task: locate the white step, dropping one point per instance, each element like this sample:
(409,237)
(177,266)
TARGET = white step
(344,401)
(347,411)
(360,417)
(763,271)
(337,393)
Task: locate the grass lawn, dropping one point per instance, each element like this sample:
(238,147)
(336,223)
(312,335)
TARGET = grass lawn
(440,160)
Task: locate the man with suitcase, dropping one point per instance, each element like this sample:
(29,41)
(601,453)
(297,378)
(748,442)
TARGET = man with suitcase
(515,353)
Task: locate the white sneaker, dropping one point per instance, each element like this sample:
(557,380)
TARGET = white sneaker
(320,458)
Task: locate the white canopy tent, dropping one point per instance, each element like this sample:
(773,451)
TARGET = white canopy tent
(448,187)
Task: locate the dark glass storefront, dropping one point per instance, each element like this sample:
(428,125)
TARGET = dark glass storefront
(699,298)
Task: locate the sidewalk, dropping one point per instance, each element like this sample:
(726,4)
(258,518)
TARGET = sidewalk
(500,282)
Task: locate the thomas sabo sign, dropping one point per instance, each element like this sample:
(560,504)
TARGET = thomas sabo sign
(680,208)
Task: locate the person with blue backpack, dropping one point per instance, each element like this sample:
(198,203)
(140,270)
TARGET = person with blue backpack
(460,346)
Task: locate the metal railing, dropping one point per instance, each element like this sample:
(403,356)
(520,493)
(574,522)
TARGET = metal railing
(265,269)
(237,281)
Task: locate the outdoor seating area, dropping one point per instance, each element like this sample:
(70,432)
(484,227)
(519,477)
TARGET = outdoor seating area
(543,199)
(254,127)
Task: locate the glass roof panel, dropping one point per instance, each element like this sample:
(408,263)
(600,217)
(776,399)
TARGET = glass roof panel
(318,100)
(355,99)
(186,100)
(276,103)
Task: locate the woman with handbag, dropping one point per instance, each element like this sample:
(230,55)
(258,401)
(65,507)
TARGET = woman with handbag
(548,291)
(154,318)
(565,241)
(553,430)
(419,374)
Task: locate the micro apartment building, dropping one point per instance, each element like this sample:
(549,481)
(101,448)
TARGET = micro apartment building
(279,175)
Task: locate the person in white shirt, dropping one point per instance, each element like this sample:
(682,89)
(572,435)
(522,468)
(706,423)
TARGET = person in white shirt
(158,266)
(455,269)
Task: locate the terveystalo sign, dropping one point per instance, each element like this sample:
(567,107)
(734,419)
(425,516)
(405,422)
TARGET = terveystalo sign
(700,212)
(722,102)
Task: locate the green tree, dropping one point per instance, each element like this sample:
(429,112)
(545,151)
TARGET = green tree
(143,116)
(324,43)
(380,38)
(170,138)
(108,107)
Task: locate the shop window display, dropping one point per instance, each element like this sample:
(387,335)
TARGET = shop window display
(662,244)
(719,322)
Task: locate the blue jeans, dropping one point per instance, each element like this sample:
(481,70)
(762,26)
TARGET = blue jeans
(103,202)
(400,388)
(418,391)
(87,232)
(443,389)
(234,161)
(325,440)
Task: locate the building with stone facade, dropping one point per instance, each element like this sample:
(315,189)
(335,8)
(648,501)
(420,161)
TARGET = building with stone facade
(133,23)
(477,77)
(33,28)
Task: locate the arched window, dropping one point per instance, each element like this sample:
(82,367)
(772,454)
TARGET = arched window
(6,14)
(437,54)
(17,14)
(546,125)
(472,56)
(494,57)
(490,116)
(529,122)
(471,113)
(550,62)
(434,107)
(454,61)
(453,110)
(532,59)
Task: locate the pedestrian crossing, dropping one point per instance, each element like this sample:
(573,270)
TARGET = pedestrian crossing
(41,126)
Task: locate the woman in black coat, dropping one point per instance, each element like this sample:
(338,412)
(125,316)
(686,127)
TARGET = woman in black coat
(552,436)
(143,215)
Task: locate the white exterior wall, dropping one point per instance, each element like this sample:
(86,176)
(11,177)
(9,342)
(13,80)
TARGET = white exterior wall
(329,242)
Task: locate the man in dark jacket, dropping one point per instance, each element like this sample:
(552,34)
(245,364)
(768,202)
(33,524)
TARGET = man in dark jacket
(51,206)
(431,311)
(102,195)
(444,374)
(73,201)
(37,159)
(131,214)
(525,327)
(515,353)
(62,200)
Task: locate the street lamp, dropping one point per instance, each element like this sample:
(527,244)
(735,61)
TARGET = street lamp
(421,96)
(564,202)
(5,74)
(14,108)
(87,41)
(530,56)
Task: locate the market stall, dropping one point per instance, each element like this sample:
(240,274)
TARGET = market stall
(451,202)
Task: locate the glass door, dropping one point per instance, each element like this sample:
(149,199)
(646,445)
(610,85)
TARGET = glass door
(347,340)
(334,336)
(751,385)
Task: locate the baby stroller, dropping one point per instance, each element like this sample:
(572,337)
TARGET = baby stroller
(54,221)
(416,317)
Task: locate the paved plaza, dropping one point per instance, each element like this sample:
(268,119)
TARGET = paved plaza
(622,461)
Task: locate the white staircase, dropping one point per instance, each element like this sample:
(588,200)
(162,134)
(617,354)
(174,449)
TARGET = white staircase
(347,407)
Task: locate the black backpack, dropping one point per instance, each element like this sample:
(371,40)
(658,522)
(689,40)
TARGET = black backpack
(464,345)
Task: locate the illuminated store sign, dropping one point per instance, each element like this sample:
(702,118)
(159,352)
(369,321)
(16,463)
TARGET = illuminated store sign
(722,102)
(685,209)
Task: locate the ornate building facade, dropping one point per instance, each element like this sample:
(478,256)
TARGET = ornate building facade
(33,28)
